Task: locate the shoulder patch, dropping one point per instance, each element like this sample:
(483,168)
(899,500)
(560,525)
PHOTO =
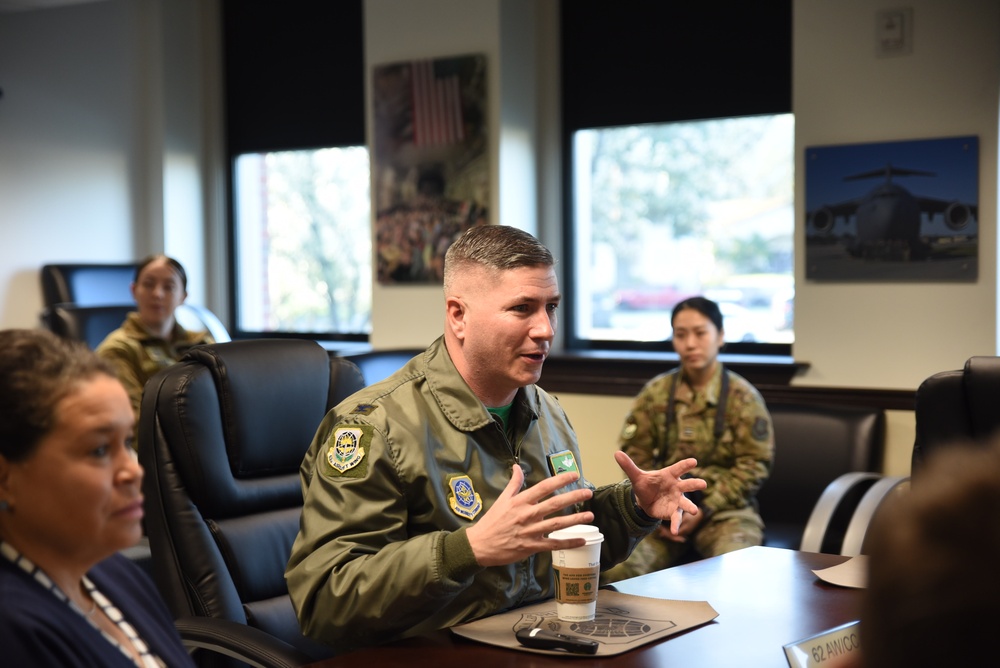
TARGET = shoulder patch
(563,461)
(363,409)
(630,428)
(345,452)
(760,429)
(463,498)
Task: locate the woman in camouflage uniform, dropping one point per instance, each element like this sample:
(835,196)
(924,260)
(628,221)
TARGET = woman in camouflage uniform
(704,411)
(150,339)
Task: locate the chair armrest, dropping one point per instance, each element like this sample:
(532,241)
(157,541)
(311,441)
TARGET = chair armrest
(239,641)
(854,539)
(826,506)
(194,317)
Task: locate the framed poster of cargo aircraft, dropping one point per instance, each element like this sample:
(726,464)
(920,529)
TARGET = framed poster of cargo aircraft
(893,211)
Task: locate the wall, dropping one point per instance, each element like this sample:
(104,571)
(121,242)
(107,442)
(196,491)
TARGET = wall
(505,31)
(69,137)
(895,335)
(106,137)
(98,97)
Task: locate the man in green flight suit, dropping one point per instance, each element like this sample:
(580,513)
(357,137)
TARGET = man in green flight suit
(429,496)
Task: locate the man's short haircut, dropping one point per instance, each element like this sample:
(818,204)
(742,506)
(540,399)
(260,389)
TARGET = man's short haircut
(496,247)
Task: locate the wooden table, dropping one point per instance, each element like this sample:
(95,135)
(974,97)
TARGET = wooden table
(766,597)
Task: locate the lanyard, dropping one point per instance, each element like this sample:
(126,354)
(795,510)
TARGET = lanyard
(720,409)
(146,656)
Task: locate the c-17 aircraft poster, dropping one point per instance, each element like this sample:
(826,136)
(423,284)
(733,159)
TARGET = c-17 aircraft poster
(893,211)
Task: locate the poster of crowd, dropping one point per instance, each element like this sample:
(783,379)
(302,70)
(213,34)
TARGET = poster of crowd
(430,163)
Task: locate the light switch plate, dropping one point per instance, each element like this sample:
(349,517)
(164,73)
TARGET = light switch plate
(894,32)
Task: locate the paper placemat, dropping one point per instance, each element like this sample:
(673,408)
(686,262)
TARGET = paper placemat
(851,573)
(622,622)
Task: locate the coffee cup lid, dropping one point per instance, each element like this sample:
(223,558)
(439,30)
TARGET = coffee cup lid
(588,531)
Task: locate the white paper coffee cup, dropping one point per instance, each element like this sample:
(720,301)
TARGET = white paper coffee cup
(577,572)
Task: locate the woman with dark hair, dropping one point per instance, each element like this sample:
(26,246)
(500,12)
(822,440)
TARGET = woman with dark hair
(70,499)
(150,338)
(705,411)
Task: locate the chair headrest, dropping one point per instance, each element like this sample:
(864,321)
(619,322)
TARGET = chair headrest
(87,284)
(982,387)
(272,396)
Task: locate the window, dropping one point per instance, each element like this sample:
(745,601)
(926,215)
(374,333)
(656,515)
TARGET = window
(669,210)
(657,200)
(297,177)
(303,239)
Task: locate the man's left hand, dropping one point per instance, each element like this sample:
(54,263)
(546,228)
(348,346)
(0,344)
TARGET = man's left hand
(661,493)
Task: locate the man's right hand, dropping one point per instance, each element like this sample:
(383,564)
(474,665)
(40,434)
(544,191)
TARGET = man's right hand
(516,526)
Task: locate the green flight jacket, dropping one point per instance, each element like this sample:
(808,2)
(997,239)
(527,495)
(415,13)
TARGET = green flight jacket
(392,480)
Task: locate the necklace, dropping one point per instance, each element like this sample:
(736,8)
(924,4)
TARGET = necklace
(93,609)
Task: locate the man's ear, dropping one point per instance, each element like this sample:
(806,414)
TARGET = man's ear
(455,313)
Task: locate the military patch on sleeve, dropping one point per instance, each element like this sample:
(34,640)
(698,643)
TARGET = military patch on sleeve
(463,499)
(363,409)
(345,452)
(628,431)
(563,461)
(760,429)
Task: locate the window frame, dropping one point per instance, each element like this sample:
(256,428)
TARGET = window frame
(642,43)
(281,94)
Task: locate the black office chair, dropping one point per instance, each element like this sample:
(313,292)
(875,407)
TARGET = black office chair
(87,302)
(957,406)
(377,365)
(90,324)
(221,436)
(814,446)
(951,407)
(87,284)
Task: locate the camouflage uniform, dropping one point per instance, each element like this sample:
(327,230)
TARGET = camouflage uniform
(734,467)
(137,355)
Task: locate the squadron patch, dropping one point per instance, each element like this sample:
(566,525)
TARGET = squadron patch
(463,499)
(363,409)
(760,430)
(563,461)
(345,452)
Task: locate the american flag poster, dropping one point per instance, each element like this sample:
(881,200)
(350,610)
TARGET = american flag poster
(430,165)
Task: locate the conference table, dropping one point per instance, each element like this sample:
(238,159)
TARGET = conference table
(765,598)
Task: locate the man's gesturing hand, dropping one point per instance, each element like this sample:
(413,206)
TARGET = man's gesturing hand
(515,527)
(660,493)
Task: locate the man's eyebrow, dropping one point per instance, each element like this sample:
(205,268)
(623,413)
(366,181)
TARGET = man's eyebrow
(525,299)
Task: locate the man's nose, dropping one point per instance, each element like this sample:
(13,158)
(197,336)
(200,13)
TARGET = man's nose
(543,327)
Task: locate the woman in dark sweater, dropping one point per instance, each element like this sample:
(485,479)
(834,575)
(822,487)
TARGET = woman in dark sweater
(70,500)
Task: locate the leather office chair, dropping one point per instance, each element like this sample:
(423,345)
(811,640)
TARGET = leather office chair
(89,324)
(814,446)
(954,406)
(221,436)
(377,365)
(951,407)
(87,284)
(83,301)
